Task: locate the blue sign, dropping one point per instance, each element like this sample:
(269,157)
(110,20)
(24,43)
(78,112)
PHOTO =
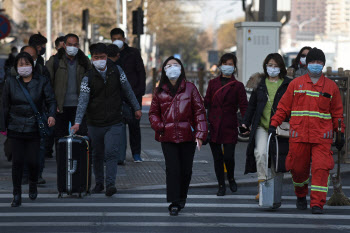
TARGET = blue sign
(5,27)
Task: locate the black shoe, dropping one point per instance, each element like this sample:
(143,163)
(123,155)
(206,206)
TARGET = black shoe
(182,204)
(111,190)
(24,180)
(16,201)
(98,188)
(41,180)
(174,211)
(221,191)
(33,191)
(233,186)
(317,210)
(301,203)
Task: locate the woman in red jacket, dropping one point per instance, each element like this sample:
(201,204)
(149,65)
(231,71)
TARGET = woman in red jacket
(177,115)
(224,95)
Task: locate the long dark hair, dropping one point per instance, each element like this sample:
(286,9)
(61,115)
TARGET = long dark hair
(279,60)
(296,61)
(165,80)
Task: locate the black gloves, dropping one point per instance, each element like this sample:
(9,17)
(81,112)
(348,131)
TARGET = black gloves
(339,143)
(272,130)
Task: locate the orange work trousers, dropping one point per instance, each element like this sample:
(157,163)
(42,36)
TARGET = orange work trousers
(298,162)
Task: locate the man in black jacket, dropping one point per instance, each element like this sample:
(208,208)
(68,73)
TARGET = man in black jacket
(132,64)
(39,42)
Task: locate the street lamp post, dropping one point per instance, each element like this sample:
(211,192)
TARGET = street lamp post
(48,28)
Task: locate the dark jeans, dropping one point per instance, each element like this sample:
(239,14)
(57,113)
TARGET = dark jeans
(62,123)
(24,151)
(105,141)
(135,133)
(49,142)
(41,160)
(227,156)
(178,162)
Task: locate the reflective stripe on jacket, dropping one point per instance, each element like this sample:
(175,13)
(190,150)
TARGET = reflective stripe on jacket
(314,110)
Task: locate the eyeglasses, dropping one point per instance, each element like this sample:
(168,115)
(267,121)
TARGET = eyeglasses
(170,65)
(272,65)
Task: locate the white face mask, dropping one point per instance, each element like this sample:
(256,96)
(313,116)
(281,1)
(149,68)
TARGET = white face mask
(273,71)
(100,64)
(25,71)
(173,72)
(303,60)
(71,50)
(119,43)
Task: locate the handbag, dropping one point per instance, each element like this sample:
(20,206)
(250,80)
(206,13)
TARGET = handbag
(282,130)
(41,118)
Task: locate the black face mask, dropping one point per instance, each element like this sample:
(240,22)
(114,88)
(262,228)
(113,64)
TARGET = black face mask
(42,51)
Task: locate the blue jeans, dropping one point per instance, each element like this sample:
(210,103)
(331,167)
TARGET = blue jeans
(41,159)
(106,147)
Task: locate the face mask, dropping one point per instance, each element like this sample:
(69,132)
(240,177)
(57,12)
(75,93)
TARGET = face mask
(99,64)
(35,62)
(173,72)
(42,51)
(303,60)
(315,68)
(119,43)
(15,54)
(71,50)
(25,71)
(227,70)
(273,71)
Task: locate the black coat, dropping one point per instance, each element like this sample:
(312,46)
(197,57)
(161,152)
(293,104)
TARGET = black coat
(132,64)
(16,112)
(252,117)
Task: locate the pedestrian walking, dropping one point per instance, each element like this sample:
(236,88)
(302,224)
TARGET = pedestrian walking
(314,105)
(132,64)
(59,43)
(21,123)
(100,98)
(268,89)
(67,68)
(177,116)
(299,63)
(223,98)
(39,42)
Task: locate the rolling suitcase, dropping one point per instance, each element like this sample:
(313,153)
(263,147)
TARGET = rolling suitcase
(270,190)
(73,165)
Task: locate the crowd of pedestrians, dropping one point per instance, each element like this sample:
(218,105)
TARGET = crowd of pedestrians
(98,97)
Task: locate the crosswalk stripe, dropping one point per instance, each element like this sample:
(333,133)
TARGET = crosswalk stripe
(155,196)
(140,205)
(165,214)
(174,224)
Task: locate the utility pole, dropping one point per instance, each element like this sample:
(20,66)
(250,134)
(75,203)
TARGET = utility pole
(125,23)
(118,13)
(48,29)
(268,10)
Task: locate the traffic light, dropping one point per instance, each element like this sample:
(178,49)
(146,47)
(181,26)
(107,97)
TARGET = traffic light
(137,21)
(85,22)
(95,34)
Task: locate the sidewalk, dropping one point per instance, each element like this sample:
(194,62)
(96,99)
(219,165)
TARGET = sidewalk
(147,175)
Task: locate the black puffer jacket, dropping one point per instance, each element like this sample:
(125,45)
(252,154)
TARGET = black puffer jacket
(252,117)
(16,112)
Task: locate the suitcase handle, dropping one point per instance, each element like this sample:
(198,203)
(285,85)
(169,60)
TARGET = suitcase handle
(267,154)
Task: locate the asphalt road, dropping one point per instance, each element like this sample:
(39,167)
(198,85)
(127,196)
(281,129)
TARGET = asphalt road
(146,211)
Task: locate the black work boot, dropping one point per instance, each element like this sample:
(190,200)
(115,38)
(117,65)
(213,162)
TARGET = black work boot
(317,210)
(17,198)
(98,188)
(233,185)
(111,190)
(174,209)
(33,190)
(301,203)
(221,191)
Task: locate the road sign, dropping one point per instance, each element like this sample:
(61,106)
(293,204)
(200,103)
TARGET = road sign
(5,27)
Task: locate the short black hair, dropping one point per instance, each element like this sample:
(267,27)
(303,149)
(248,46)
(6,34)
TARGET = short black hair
(98,48)
(229,56)
(280,62)
(70,35)
(26,56)
(112,50)
(59,39)
(29,46)
(14,49)
(117,31)
(37,39)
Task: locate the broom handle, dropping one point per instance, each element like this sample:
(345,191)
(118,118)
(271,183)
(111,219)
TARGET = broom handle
(339,151)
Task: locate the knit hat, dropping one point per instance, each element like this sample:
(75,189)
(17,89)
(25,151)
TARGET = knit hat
(315,54)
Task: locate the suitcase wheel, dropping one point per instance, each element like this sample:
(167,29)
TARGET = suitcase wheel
(59,195)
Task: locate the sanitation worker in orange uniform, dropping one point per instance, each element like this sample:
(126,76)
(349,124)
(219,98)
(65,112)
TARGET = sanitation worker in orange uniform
(314,105)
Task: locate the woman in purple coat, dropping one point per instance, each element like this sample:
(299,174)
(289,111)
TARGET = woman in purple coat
(224,95)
